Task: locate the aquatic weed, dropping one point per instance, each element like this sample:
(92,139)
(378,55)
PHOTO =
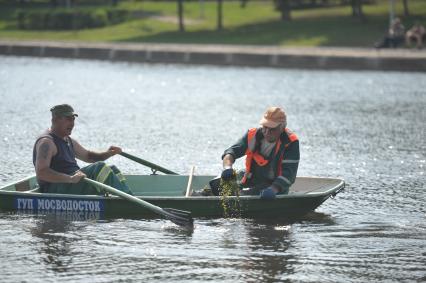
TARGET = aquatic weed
(231,206)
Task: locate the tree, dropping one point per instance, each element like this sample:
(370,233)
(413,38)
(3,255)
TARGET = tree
(219,15)
(180,15)
(357,9)
(283,6)
(406,12)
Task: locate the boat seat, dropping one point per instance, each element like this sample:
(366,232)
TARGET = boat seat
(23,186)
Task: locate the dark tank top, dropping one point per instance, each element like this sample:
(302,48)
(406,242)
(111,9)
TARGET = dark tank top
(64,161)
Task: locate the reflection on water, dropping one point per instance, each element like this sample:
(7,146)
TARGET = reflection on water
(55,241)
(367,127)
(268,258)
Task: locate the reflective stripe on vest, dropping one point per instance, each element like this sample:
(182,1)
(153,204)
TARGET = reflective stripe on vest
(260,160)
(103,174)
(292,137)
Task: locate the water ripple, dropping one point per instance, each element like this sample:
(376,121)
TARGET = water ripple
(370,133)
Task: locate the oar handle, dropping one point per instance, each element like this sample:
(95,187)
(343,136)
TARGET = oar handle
(126,196)
(148,164)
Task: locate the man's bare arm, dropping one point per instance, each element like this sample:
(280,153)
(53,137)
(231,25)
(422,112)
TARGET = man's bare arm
(46,149)
(101,156)
(92,156)
(80,152)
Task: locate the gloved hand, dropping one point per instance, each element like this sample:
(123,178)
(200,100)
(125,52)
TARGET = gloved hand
(228,174)
(268,193)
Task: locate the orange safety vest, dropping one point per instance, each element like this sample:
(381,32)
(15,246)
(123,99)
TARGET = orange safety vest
(260,160)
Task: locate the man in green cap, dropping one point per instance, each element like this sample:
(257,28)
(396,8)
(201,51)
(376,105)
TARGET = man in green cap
(54,158)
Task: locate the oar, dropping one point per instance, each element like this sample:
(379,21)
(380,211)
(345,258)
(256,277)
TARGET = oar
(179,217)
(153,166)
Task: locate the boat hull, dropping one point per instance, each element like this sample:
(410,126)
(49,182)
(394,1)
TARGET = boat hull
(297,203)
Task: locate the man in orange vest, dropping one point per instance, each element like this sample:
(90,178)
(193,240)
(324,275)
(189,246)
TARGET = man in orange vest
(272,157)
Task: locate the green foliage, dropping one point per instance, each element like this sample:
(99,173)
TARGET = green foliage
(61,19)
(116,16)
(257,24)
(82,20)
(99,18)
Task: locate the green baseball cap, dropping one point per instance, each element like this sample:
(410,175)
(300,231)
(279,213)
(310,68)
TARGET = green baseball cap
(63,110)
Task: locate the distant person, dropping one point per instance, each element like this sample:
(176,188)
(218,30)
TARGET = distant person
(54,158)
(417,33)
(394,37)
(272,157)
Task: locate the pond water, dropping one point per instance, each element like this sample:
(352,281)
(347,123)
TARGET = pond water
(365,127)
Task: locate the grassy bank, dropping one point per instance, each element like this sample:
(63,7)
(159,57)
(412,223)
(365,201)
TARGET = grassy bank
(256,24)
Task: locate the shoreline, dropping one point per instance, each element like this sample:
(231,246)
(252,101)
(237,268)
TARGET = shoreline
(319,58)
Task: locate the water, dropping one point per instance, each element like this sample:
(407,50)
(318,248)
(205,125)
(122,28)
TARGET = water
(366,127)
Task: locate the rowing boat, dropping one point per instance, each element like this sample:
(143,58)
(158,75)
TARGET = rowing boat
(305,195)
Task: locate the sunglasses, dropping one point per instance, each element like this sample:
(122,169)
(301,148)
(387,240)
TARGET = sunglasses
(266,129)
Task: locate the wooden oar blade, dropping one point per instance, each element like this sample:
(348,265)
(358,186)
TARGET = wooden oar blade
(179,212)
(179,217)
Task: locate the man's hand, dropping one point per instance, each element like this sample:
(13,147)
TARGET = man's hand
(228,174)
(113,150)
(101,156)
(268,193)
(77,177)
